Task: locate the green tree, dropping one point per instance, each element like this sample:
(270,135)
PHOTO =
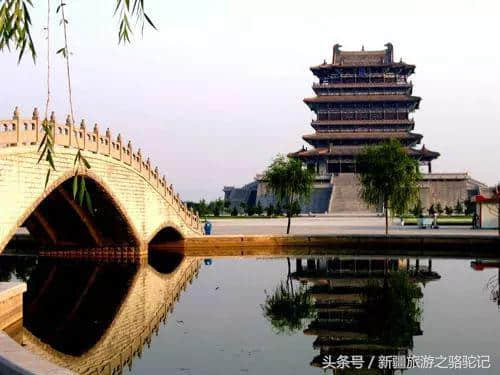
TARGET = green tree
(459,208)
(418,210)
(388,175)
(251,210)
(202,208)
(448,210)
(217,206)
(270,210)
(278,211)
(432,210)
(439,208)
(295,209)
(289,182)
(234,211)
(470,207)
(259,209)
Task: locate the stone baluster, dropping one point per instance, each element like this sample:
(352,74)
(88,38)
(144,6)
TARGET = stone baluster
(70,129)
(52,124)
(37,125)
(83,131)
(164,183)
(156,173)
(119,143)
(96,132)
(130,153)
(16,118)
(108,138)
(139,155)
(148,163)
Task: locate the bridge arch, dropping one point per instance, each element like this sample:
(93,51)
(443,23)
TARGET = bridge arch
(108,225)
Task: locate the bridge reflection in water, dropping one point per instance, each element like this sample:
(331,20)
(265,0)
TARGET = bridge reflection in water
(93,318)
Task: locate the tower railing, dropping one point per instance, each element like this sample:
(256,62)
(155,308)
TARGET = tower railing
(19,131)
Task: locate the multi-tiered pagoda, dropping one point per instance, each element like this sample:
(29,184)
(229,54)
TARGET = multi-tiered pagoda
(362,98)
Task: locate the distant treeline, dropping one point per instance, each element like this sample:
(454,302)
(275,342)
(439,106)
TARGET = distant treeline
(221,207)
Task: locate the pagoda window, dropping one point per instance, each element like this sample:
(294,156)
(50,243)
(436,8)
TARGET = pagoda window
(364,116)
(322,116)
(402,115)
(349,115)
(335,116)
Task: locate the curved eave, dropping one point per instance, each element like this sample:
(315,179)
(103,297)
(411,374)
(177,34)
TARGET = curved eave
(352,151)
(314,102)
(327,67)
(425,155)
(362,135)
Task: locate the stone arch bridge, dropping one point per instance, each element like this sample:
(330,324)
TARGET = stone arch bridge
(133,205)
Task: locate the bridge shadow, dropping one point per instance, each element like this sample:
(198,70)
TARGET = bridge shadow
(94,317)
(60,220)
(70,304)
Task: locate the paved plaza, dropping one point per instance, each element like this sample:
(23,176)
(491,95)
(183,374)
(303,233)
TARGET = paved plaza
(333,225)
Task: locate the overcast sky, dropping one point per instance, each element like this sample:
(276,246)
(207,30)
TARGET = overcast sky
(217,91)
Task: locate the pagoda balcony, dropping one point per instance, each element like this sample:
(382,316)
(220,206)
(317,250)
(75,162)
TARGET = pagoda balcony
(373,122)
(340,85)
(382,78)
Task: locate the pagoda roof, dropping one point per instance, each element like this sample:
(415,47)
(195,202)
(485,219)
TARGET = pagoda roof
(361,63)
(362,135)
(361,98)
(422,154)
(349,59)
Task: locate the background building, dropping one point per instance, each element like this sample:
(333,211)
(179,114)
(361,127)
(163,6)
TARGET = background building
(362,98)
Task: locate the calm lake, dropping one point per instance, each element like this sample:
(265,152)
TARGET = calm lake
(185,315)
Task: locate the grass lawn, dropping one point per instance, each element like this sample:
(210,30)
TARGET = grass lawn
(444,220)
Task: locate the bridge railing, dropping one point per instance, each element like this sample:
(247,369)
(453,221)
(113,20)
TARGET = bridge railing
(24,132)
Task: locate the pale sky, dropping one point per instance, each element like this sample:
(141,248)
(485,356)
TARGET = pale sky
(217,91)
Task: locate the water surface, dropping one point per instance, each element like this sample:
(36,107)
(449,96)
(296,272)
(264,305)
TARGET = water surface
(206,316)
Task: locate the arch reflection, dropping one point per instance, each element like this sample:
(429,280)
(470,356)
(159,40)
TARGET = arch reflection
(94,318)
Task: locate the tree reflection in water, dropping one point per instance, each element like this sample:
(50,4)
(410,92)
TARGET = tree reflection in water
(287,309)
(359,306)
(393,311)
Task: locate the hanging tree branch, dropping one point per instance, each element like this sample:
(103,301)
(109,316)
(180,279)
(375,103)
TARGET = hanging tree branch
(80,162)
(15,23)
(15,26)
(47,144)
